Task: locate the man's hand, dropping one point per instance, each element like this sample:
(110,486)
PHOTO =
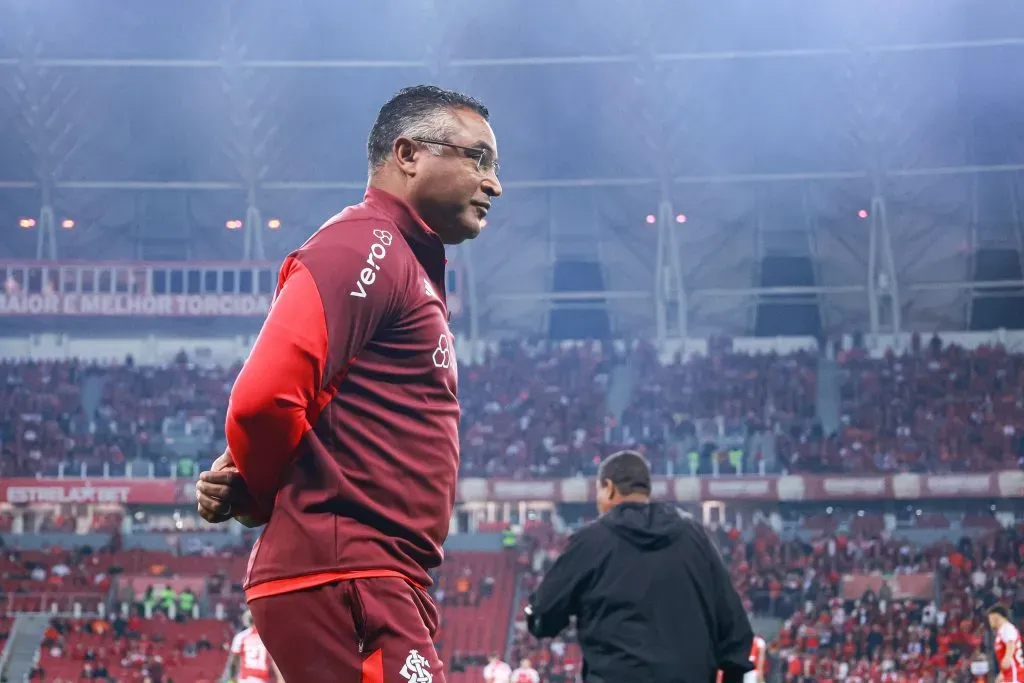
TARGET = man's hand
(222,494)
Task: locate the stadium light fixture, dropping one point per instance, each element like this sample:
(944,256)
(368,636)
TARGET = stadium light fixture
(67,224)
(274,224)
(862,214)
(681,218)
(27,223)
(233,224)
(650,218)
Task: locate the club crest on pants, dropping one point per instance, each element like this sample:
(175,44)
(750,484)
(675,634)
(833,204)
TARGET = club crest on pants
(415,669)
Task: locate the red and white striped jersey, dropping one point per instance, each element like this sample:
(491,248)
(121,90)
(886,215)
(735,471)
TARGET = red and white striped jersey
(1008,637)
(525,676)
(253,658)
(498,672)
(756,653)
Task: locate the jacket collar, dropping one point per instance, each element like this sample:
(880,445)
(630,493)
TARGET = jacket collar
(425,243)
(412,226)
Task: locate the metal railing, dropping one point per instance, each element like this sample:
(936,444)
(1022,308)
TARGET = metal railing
(5,657)
(78,603)
(135,469)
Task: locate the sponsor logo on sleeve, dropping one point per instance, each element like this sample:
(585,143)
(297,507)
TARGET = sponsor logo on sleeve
(443,352)
(378,252)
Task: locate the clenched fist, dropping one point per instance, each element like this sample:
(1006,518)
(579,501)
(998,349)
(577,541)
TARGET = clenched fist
(222,495)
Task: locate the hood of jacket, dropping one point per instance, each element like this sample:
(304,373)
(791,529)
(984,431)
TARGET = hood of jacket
(649,526)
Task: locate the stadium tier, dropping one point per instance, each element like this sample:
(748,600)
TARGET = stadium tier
(550,410)
(909,500)
(855,600)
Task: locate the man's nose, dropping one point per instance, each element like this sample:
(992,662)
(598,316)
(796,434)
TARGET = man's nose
(492,187)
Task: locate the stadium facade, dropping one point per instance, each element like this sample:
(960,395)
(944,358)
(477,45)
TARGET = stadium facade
(668,174)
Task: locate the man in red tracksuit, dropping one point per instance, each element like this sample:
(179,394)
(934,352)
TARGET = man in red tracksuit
(343,424)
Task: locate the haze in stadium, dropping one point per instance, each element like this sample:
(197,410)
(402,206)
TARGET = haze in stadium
(776,248)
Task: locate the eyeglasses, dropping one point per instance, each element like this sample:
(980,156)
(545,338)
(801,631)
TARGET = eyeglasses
(484,158)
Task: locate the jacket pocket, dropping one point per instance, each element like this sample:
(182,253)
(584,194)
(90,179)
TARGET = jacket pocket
(358,613)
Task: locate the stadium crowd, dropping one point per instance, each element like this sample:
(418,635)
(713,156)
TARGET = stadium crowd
(541,409)
(830,632)
(132,649)
(140,617)
(66,416)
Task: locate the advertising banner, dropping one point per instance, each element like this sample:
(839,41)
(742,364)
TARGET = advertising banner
(102,491)
(135,305)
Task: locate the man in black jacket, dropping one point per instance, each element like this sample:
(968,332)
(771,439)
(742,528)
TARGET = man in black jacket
(652,598)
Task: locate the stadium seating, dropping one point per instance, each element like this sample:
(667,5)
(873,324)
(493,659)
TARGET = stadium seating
(801,583)
(192,650)
(475,619)
(539,410)
(915,637)
(45,429)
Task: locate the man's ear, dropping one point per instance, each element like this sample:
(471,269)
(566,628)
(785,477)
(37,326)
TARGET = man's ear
(405,152)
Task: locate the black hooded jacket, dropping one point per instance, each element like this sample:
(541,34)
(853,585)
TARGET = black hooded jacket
(652,599)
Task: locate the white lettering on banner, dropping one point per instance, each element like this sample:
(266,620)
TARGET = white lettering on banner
(473,489)
(687,489)
(576,490)
(959,484)
(719,488)
(188,492)
(368,275)
(67,494)
(854,486)
(30,304)
(155,305)
(791,487)
(1010,484)
(906,485)
(524,490)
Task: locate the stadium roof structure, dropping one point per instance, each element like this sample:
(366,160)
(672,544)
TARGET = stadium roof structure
(746,166)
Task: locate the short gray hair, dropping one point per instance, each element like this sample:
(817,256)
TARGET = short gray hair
(421,111)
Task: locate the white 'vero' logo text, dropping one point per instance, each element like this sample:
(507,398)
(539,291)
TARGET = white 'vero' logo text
(368,275)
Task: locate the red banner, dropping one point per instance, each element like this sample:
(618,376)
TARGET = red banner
(103,491)
(790,488)
(144,305)
(903,586)
(847,488)
(739,488)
